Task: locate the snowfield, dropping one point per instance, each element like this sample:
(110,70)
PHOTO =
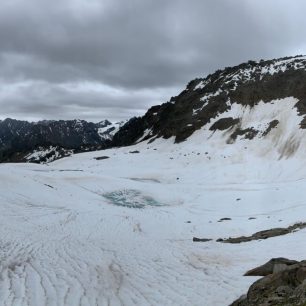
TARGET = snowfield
(118,231)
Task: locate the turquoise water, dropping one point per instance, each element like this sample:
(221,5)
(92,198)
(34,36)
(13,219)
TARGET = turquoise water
(130,198)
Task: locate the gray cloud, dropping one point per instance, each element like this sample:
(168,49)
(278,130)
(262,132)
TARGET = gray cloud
(41,99)
(114,58)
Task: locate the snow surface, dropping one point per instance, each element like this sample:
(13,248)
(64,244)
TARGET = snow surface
(71,235)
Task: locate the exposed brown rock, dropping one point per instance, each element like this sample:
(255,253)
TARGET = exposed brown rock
(271,126)
(265,234)
(272,266)
(195,239)
(248,133)
(225,219)
(224,124)
(101,157)
(285,286)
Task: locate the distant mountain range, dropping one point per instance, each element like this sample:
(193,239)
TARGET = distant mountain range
(45,141)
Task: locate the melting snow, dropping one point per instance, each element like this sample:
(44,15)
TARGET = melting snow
(64,242)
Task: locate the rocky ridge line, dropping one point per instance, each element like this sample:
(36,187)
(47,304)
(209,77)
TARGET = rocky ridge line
(205,98)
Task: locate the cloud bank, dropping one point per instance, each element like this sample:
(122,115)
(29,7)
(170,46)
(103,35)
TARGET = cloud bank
(102,59)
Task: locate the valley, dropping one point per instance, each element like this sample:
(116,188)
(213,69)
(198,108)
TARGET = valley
(64,242)
(176,208)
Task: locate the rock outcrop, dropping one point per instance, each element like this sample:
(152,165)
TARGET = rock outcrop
(265,234)
(283,284)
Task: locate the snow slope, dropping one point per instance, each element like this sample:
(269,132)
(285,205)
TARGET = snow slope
(71,232)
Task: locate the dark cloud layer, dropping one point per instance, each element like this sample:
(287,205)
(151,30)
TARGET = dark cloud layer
(114,58)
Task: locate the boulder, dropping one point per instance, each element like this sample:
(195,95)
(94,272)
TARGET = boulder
(284,284)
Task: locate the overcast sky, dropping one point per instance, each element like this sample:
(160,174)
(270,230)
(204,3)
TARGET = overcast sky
(98,59)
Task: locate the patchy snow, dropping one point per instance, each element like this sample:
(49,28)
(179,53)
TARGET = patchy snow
(200,85)
(250,73)
(110,130)
(146,133)
(118,231)
(205,99)
(277,66)
(47,155)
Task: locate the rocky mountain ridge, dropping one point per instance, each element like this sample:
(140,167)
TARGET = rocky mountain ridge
(207,98)
(49,139)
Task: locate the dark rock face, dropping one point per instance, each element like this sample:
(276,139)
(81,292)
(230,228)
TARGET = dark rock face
(248,133)
(101,157)
(130,132)
(224,124)
(225,219)
(271,126)
(19,138)
(285,285)
(204,99)
(196,239)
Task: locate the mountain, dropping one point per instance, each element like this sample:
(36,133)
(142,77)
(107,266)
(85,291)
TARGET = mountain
(254,100)
(189,198)
(263,100)
(48,140)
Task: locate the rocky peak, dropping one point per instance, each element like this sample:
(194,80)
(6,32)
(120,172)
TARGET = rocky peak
(205,99)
